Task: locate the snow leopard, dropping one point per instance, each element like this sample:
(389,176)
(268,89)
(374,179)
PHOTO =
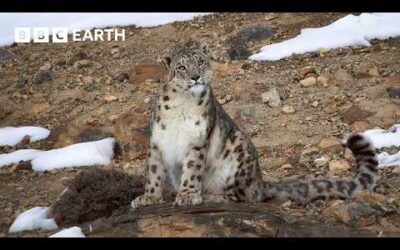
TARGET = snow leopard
(206,157)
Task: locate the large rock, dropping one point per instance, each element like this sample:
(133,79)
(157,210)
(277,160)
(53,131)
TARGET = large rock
(392,80)
(366,69)
(338,167)
(237,43)
(386,115)
(225,69)
(394,92)
(5,54)
(132,130)
(355,113)
(246,92)
(304,72)
(353,214)
(310,81)
(41,76)
(147,71)
(222,220)
(361,126)
(356,213)
(331,145)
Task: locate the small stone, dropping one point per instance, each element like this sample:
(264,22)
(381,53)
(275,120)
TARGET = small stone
(306,70)
(323,51)
(87,80)
(310,81)
(310,151)
(285,167)
(293,159)
(24,97)
(22,165)
(114,51)
(348,155)
(321,161)
(286,204)
(26,139)
(82,63)
(122,77)
(322,80)
(314,104)
(268,17)
(331,145)
(272,98)
(41,76)
(146,100)
(396,170)
(110,98)
(374,72)
(339,166)
(45,67)
(394,92)
(112,118)
(288,109)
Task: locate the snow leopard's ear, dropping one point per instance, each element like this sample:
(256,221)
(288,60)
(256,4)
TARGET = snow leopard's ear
(204,48)
(167,59)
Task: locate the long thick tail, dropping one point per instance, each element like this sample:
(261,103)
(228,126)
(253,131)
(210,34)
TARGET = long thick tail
(304,191)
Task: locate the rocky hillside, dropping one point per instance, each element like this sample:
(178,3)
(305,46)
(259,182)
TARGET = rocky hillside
(295,110)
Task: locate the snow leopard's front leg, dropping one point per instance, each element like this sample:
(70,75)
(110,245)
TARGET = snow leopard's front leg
(191,178)
(156,175)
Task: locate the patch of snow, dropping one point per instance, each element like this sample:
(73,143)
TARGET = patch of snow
(81,21)
(32,219)
(320,161)
(385,138)
(348,31)
(81,154)
(19,155)
(11,136)
(382,138)
(387,160)
(72,232)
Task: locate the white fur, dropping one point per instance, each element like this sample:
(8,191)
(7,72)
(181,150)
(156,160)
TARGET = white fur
(216,179)
(180,135)
(198,88)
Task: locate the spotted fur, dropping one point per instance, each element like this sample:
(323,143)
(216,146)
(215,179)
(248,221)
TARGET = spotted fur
(196,145)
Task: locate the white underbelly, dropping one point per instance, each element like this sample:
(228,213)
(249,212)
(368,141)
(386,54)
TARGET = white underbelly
(174,143)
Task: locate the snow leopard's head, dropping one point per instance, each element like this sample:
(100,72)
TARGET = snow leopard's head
(189,67)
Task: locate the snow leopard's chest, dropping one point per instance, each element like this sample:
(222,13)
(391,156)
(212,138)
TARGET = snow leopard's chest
(177,134)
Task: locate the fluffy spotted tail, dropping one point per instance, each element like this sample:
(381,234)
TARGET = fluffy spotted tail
(304,191)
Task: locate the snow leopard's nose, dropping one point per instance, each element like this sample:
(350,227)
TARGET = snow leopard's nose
(195,77)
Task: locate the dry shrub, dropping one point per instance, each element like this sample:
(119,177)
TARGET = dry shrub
(96,193)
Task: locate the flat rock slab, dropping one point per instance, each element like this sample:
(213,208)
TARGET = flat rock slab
(215,220)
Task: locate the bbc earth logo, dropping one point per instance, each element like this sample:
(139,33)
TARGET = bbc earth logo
(60,35)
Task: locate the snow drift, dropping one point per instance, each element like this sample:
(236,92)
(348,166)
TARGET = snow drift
(348,31)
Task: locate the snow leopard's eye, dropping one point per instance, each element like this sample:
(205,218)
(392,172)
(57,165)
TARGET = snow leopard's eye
(201,62)
(181,67)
